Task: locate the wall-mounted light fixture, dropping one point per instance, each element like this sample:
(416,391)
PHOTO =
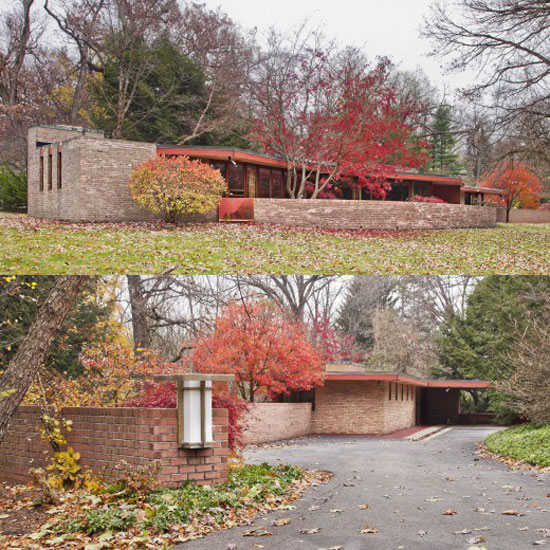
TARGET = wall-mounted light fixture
(194,406)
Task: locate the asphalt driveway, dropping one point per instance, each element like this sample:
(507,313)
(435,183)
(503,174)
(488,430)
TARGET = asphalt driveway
(431,494)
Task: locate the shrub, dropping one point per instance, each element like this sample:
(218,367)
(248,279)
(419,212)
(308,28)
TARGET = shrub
(163,396)
(432,199)
(528,442)
(109,518)
(176,186)
(545,206)
(13,190)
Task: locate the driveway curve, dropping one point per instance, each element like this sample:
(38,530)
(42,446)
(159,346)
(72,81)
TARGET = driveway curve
(434,494)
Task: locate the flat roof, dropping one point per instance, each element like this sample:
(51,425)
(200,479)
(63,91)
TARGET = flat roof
(333,376)
(245,155)
(492,190)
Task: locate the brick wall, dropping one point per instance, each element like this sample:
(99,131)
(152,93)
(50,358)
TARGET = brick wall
(372,214)
(400,410)
(524,215)
(267,422)
(95,174)
(105,436)
(443,406)
(361,408)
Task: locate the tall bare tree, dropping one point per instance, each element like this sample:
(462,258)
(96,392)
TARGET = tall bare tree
(34,349)
(508,41)
(303,295)
(79,21)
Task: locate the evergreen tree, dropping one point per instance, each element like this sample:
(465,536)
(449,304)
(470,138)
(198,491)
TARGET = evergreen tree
(474,346)
(20,300)
(443,142)
(169,91)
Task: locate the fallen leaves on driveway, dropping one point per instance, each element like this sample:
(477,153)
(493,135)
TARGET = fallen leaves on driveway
(280,522)
(311,531)
(512,513)
(449,513)
(368,530)
(257,533)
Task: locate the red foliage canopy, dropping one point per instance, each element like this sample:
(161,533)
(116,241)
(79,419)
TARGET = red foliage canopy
(523,185)
(334,346)
(269,353)
(334,119)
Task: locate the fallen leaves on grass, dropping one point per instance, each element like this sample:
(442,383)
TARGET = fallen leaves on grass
(159,519)
(32,246)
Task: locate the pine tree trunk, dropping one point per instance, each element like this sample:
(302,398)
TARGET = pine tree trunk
(35,347)
(138,307)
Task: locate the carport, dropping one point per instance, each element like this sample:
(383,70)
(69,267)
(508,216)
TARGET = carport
(357,402)
(438,401)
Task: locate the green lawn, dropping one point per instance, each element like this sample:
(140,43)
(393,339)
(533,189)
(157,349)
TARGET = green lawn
(31,247)
(529,443)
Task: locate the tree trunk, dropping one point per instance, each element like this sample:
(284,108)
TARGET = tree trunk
(138,306)
(36,345)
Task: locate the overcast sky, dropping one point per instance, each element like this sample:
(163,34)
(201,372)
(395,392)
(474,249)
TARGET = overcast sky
(381,27)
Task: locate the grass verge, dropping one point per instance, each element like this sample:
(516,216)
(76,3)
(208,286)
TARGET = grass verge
(38,247)
(528,443)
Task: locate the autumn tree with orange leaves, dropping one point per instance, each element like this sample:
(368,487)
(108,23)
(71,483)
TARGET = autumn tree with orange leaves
(269,353)
(522,184)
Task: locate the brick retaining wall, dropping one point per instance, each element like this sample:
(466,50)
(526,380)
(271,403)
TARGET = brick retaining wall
(524,215)
(362,408)
(267,422)
(344,214)
(105,436)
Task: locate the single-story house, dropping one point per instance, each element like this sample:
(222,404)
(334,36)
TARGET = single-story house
(77,174)
(353,401)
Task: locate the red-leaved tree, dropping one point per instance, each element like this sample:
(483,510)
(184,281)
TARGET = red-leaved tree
(268,353)
(331,116)
(522,184)
(333,345)
(163,396)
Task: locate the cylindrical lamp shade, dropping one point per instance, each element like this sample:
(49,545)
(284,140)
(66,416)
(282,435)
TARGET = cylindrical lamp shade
(197,414)
(194,399)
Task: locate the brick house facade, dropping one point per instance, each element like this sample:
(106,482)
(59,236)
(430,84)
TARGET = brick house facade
(353,401)
(76,174)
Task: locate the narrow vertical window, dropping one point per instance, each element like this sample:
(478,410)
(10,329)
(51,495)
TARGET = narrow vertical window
(50,171)
(41,174)
(59,168)
(389,396)
(402,391)
(396,390)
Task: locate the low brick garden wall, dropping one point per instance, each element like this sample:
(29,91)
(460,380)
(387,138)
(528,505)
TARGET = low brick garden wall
(345,214)
(524,215)
(267,422)
(105,436)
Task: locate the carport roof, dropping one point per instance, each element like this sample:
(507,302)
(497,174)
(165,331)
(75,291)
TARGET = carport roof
(405,379)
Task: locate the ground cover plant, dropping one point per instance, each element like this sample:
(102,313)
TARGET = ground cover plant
(134,513)
(528,443)
(30,246)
